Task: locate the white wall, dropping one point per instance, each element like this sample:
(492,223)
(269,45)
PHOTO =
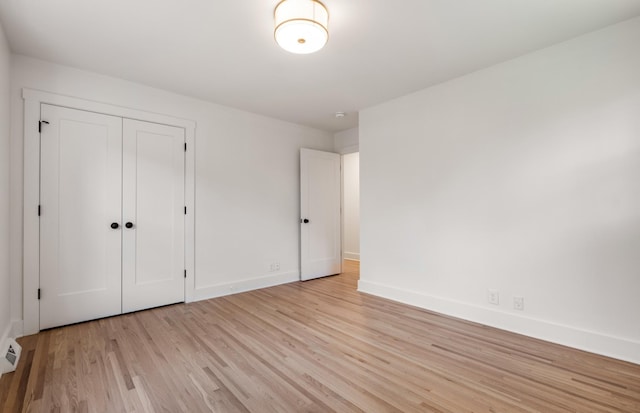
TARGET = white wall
(346,141)
(523,177)
(5,116)
(351,205)
(247,178)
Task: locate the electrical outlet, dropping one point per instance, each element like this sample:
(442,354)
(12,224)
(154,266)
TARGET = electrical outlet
(274,266)
(493,296)
(518,303)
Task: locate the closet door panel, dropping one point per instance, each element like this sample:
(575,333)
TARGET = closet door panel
(153,191)
(80,196)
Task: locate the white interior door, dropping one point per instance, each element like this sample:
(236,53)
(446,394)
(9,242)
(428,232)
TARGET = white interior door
(320,209)
(80,198)
(153,215)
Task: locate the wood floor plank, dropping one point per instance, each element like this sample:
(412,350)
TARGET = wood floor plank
(317,346)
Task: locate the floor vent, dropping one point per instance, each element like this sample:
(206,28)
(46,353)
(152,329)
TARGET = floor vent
(10,356)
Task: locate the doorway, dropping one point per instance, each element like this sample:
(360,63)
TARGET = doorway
(351,208)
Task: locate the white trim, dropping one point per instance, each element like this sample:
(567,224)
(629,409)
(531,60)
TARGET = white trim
(32,102)
(105,108)
(190,223)
(31,227)
(219,290)
(342,226)
(3,339)
(349,149)
(352,256)
(17,329)
(610,346)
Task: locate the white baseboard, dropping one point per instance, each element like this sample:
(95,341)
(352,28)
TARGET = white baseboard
(3,338)
(353,256)
(219,290)
(594,342)
(17,328)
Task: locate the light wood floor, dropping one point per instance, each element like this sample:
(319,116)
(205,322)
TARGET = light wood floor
(317,346)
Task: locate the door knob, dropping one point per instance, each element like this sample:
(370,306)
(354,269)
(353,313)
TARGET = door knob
(306,221)
(115,225)
(129,225)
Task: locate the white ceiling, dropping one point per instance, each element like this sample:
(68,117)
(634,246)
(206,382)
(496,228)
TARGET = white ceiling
(223,50)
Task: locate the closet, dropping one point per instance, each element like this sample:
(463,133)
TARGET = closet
(112,215)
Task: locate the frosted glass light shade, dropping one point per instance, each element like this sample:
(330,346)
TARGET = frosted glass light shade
(301,25)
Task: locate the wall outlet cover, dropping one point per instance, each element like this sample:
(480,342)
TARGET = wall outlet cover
(493,296)
(518,303)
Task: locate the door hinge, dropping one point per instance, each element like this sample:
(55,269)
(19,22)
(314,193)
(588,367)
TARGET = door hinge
(185,210)
(40,125)
(185,273)
(38,293)
(39,210)
(185,146)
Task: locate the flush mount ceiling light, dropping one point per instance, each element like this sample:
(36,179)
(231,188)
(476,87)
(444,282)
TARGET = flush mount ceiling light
(301,25)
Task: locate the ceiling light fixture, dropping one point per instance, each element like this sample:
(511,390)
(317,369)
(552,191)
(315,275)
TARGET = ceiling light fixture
(301,25)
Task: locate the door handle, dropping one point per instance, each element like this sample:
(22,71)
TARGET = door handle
(115,225)
(129,225)
(306,221)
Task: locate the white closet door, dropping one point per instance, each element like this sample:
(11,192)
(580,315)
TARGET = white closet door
(80,196)
(320,251)
(153,215)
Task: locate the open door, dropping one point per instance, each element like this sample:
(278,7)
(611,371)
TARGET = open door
(320,249)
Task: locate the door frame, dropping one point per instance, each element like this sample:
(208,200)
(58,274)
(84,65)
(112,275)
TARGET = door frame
(31,196)
(344,151)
